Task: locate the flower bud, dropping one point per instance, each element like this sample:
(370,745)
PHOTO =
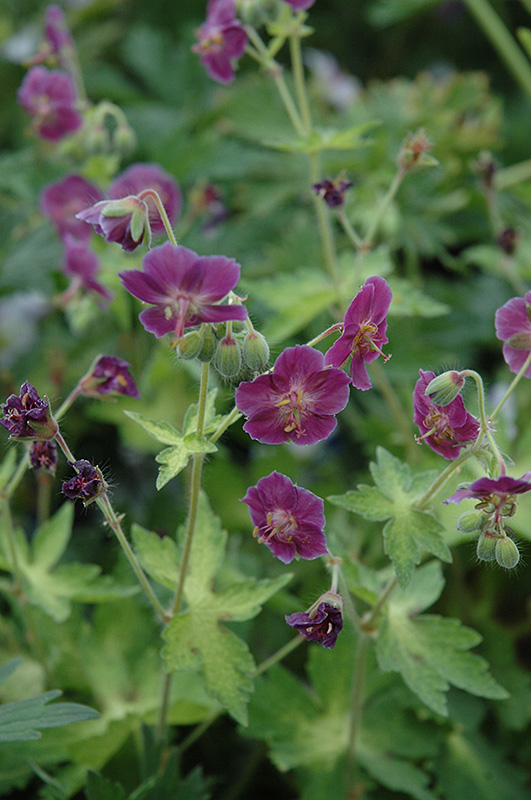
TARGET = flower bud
(228,357)
(97,140)
(443,389)
(414,152)
(255,351)
(507,554)
(486,547)
(190,344)
(469,521)
(124,139)
(208,344)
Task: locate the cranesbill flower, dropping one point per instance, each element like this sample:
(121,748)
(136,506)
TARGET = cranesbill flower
(43,455)
(288,519)
(221,40)
(27,416)
(124,221)
(109,376)
(184,288)
(296,401)
(139,177)
(61,201)
(364,330)
(322,622)
(332,192)
(82,266)
(496,492)
(299,5)
(49,97)
(446,429)
(513,327)
(87,484)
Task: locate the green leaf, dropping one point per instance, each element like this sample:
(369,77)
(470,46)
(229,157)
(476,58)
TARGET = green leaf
(161,431)
(408,531)
(174,459)
(196,640)
(7,466)
(100,788)
(410,301)
(211,422)
(324,139)
(159,556)
(430,651)
(53,536)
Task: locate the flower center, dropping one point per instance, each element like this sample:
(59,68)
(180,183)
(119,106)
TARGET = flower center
(294,409)
(211,44)
(439,426)
(279,525)
(364,342)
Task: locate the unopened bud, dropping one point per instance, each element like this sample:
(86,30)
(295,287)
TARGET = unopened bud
(414,152)
(255,351)
(208,345)
(469,521)
(443,389)
(486,548)
(507,554)
(228,357)
(124,139)
(97,140)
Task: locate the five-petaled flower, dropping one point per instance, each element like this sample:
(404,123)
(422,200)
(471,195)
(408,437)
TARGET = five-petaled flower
(184,288)
(61,201)
(221,40)
(287,519)
(108,376)
(87,485)
(494,493)
(513,327)
(49,97)
(446,429)
(44,455)
(332,192)
(82,266)
(27,416)
(322,622)
(297,401)
(364,330)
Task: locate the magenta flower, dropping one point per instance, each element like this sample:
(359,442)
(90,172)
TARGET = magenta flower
(87,485)
(27,416)
(61,201)
(221,40)
(108,375)
(139,177)
(49,97)
(124,221)
(332,192)
(289,520)
(56,29)
(184,288)
(299,5)
(43,455)
(322,622)
(497,492)
(364,330)
(446,429)
(296,401)
(513,327)
(82,266)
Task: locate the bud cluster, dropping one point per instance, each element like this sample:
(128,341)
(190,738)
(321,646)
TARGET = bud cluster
(236,350)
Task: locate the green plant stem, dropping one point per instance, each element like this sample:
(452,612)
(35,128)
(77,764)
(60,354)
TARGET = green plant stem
(325,228)
(441,480)
(11,545)
(348,605)
(516,380)
(356,711)
(162,213)
(17,475)
(502,41)
(349,229)
(64,447)
(332,329)
(300,84)
(65,405)
(227,422)
(382,208)
(510,176)
(395,407)
(485,429)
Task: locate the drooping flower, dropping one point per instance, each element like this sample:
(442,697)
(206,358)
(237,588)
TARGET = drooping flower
(288,519)
(108,376)
(49,97)
(56,29)
(446,429)
(221,40)
(124,221)
(299,5)
(27,416)
(332,192)
(43,455)
(297,401)
(364,330)
(87,484)
(139,177)
(61,201)
(184,288)
(513,327)
(82,266)
(496,492)
(322,622)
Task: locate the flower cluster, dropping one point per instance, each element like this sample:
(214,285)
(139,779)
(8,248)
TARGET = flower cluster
(27,416)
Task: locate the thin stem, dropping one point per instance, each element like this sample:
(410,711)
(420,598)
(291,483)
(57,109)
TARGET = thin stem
(502,41)
(509,176)
(325,228)
(300,83)
(227,422)
(65,405)
(386,202)
(356,711)
(332,329)
(348,605)
(516,380)
(485,422)
(64,447)
(17,475)
(162,213)
(349,229)
(442,479)
(369,620)
(12,545)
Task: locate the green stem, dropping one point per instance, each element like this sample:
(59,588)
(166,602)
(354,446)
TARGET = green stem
(356,712)
(369,620)
(352,234)
(332,329)
(12,546)
(516,380)
(502,41)
(227,422)
(442,479)
(325,228)
(509,176)
(348,605)
(64,447)
(162,213)
(17,475)
(380,212)
(300,84)
(485,429)
(65,405)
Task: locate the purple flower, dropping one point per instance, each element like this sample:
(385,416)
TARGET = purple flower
(61,201)
(446,429)
(43,455)
(513,327)
(322,622)
(82,265)
(139,177)
(289,520)
(108,376)
(184,289)
(494,491)
(297,400)
(49,97)
(56,29)
(27,416)
(221,40)
(332,192)
(87,485)
(364,330)
(298,5)
(124,221)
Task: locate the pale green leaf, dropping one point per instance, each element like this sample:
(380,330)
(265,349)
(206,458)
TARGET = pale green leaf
(158,555)
(410,301)
(367,501)
(53,536)
(161,431)
(7,466)
(100,788)
(244,600)
(174,459)
(211,421)
(324,139)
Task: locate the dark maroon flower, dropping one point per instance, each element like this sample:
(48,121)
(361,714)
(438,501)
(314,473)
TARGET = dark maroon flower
(61,201)
(43,455)
(124,221)
(108,375)
(27,416)
(364,330)
(221,40)
(446,429)
(87,485)
(296,401)
(332,192)
(288,519)
(494,491)
(56,29)
(184,288)
(49,97)
(322,622)
(139,177)
(299,5)
(513,327)
(82,265)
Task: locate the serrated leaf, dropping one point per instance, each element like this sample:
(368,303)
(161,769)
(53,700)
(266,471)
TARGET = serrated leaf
(161,431)
(211,421)
(174,459)
(324,139)
(158,555)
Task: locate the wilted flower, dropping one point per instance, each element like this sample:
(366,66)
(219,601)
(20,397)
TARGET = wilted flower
(43,455)
(61,201)
(221,40)
(296,401)
(82,265)
(139,177)
(446,429)
(87,485)
(184,288)
(108,376)
(49,97)
(513,327)
(322,622)
(124,221)
(496,492)
(364,330)
(332,192)
(288,519)
(27,416)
